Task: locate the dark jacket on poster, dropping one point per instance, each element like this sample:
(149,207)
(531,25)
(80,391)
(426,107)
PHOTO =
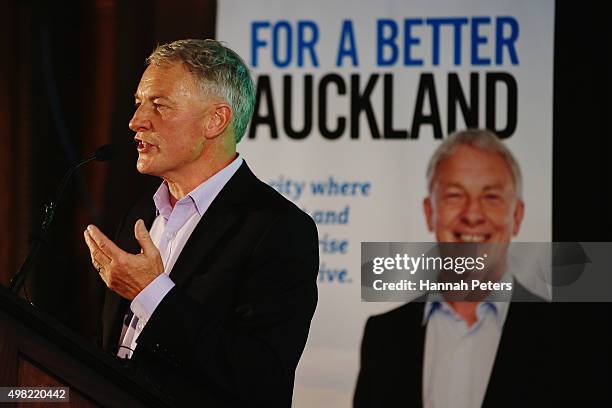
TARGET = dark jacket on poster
(545,358)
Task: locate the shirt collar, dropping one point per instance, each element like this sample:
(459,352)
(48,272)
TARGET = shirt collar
(436,304)
(201,196)
(161,198)
(499,310)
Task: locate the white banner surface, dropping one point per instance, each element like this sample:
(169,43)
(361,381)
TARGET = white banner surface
(353,98)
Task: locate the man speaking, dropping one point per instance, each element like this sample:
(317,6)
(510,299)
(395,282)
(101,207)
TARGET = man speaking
(212,279)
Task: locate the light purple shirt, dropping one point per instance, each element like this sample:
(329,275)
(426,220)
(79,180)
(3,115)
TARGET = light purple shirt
(170,231)
(459,359)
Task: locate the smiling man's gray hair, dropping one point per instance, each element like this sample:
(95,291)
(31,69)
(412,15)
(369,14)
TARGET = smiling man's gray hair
(481,139)
(220,71)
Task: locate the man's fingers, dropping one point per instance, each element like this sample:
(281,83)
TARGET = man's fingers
(90,243)
(143,238)
(98,258)
(105,245)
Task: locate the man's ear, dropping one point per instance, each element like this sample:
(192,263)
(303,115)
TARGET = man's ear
(519,212)
(217,120)
(428,210)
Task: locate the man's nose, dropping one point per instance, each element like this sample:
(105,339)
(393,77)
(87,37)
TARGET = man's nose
(140,120)
(472,213)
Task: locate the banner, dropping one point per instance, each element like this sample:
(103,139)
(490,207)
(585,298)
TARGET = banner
(352,99)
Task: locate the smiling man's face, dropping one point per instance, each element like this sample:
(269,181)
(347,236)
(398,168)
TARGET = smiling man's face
(473,199)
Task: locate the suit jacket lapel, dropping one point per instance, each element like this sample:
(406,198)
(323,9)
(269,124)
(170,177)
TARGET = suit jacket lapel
(207,234)
(511,356)
(506,363)
(224,215)
(404,358)
(419,365)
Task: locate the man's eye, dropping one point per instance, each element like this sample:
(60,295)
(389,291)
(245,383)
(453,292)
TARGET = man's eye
(452,195)
(493,199)
(452,198)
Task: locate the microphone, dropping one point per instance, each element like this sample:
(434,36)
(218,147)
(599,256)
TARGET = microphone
(104,153)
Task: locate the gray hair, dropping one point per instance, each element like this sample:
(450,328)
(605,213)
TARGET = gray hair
(481,139)
(219,70)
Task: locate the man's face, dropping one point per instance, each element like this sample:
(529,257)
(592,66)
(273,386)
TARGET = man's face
(473,199)
(170,116)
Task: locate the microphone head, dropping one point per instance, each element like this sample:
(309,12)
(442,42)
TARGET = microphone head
(105,153)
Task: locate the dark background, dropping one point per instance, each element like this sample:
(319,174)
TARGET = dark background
(67,78)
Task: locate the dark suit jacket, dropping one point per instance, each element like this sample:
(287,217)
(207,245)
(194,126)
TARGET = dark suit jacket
(541,360)
(231,332)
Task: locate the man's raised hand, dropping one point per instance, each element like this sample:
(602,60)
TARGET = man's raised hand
(124,273)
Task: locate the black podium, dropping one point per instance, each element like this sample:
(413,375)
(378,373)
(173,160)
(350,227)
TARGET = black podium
(38,351)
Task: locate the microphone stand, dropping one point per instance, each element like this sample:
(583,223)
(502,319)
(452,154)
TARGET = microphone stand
(102,154)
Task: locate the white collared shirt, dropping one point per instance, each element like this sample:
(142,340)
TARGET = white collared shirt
(170,231)
(459,359)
